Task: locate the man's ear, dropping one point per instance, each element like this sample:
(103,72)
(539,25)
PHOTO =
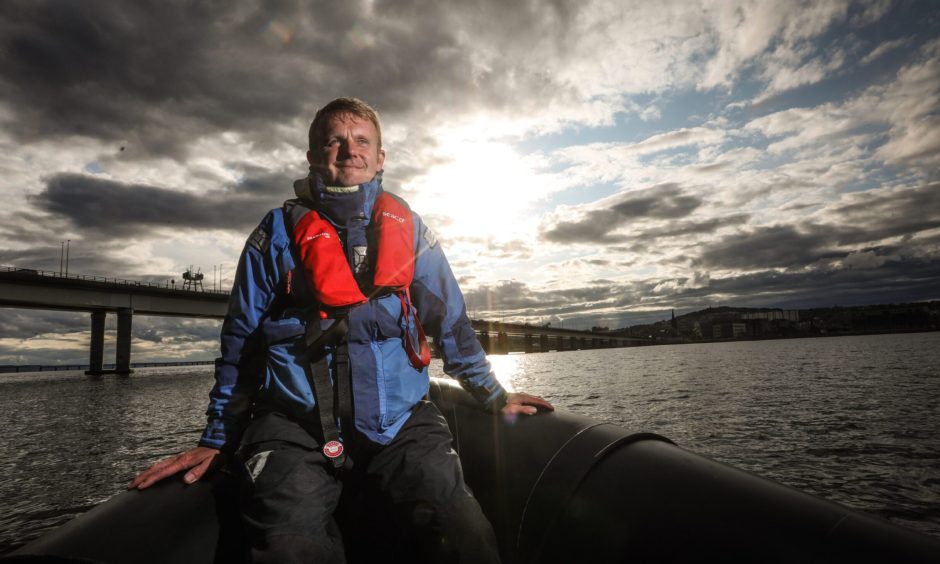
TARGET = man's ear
(310,158)
(381,160)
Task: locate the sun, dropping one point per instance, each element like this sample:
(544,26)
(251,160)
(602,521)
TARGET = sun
(484,188)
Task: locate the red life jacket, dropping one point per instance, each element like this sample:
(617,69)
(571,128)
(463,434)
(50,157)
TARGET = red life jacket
(323,260)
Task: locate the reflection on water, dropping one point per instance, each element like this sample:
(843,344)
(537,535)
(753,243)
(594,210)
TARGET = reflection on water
(70,442)
(852,419)
(507,368)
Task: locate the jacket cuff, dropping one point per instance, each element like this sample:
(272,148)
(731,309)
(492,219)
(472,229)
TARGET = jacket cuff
(498,401)
(215,436)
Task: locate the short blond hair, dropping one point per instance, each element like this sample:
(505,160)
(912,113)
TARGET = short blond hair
(342,106)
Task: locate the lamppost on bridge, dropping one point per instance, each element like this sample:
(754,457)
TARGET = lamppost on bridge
(64,256)
(217,277)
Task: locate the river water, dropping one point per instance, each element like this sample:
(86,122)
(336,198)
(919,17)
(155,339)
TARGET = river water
(851,419)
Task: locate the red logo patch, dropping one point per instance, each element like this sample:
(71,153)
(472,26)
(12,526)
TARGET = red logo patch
(333,449)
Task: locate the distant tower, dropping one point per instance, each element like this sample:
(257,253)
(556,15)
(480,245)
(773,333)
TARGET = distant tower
(675,324)
(193,280)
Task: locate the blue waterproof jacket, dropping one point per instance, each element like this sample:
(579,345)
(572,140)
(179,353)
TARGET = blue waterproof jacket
(264,365)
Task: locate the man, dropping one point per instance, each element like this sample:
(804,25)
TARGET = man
(331,298)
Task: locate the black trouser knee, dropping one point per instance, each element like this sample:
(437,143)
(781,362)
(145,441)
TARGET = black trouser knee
(421,481)
(287,500)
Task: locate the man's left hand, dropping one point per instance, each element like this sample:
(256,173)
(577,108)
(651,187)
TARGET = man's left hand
(526,403)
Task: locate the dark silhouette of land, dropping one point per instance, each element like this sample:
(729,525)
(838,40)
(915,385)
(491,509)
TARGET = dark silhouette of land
(738,323)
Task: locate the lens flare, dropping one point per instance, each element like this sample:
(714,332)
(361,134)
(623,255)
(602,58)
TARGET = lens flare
(281,31)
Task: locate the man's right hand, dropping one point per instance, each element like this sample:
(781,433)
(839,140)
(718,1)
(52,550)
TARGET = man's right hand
(197,460)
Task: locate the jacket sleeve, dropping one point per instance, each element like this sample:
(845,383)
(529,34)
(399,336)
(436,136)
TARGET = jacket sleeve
(239,370)
(443,313)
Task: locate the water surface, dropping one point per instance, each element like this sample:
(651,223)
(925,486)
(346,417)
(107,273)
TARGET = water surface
(852,419)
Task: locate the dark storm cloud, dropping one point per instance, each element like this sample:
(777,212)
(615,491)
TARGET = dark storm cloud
(37,232)
(156,75)
(26,323)
(18,323)
(141,70)
(897,279)
(262,183)
(681,228)
(666,201)
(880,214)
(662,202)
(595,227)
(85,256)
(154,338)
(862,221)
(765,247)
(114,208)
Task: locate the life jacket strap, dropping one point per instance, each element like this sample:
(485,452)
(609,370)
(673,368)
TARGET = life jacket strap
(330,401)
(422,357)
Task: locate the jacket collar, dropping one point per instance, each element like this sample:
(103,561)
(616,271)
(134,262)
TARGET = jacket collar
(339,205)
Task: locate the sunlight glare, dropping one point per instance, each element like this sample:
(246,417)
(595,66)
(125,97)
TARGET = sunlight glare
(506,367)
(485,187)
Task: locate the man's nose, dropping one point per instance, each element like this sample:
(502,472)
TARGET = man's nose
(347,148)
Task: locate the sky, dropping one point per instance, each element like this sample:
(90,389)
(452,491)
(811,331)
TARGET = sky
(582,163)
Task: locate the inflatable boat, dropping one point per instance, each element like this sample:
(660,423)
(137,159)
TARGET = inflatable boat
(557,487)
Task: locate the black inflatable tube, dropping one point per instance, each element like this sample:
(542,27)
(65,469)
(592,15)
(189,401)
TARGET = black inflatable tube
(557,487)
(563,488)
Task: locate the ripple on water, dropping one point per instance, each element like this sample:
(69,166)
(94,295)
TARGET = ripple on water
(816,414)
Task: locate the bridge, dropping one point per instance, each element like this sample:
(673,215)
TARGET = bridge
(503,338)
(35,289)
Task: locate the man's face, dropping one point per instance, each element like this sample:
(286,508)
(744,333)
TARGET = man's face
(350,153)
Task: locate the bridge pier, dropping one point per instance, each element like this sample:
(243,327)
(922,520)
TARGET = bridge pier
(122,361)
(529,343)
(502,343)
(484,339)
(543,343)
(96,355)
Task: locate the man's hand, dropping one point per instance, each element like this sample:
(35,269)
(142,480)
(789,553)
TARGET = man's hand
(525,403)
(197,460)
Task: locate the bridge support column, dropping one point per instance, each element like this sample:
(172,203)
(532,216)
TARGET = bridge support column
(484,339)
(96,355)
(543,343)
(122,361)
(502,343)
(529,343)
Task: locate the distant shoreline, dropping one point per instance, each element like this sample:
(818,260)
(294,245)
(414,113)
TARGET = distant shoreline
(683,341)
(14,368)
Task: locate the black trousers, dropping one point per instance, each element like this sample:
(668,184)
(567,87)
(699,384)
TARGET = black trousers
(403,502)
